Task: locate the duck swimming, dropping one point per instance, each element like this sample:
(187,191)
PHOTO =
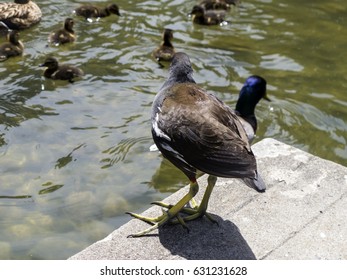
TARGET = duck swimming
(165,51)
(13,47)
(90,11)
(207,17)
(60,72)
(20,14)
(64,35)
(196,131)
(217,4)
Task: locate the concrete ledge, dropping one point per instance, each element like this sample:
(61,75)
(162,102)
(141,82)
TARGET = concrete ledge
(302,215)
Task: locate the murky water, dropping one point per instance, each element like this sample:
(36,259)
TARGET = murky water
(75,157)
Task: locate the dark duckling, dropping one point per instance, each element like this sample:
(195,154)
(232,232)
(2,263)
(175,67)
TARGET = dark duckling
(90,11)
(60,72)
(196,131)
(64,35)
(166,50)
(251,93)
(19,15)
(207,17)
(218,4)
(13,47)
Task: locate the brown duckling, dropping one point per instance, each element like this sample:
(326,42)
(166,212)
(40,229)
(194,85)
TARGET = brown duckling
(60,72)
(13,47)
(64,35)
(218,4)
(20,14)
(207,17)
(90,11)
(165,51)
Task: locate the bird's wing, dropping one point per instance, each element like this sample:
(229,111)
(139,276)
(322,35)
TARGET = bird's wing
(205,132)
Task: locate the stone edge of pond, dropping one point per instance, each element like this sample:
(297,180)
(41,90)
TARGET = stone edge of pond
(300,216)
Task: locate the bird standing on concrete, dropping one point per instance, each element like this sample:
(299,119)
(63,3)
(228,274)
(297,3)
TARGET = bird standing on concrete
(196,131)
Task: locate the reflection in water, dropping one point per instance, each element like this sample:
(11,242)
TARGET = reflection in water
(75,157)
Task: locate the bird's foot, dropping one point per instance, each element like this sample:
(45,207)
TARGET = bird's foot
(191,213)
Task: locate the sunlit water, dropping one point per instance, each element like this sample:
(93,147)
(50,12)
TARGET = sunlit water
(75,157)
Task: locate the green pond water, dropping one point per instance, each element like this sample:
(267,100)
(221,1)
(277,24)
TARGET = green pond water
(75,157)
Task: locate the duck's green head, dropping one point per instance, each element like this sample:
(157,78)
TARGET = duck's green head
(252,91)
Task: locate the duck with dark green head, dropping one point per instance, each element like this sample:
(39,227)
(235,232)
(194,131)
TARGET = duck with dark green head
(166,50)
(58,71)
(207,17)
(91,11)
(19,14)
(64,35)
(13,47)
(251,93)
(197,131)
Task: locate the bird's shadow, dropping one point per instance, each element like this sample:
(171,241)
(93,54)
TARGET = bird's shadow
(206,240)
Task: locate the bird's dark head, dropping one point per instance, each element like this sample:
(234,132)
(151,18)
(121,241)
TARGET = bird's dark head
(113,9)
(181,70)
(68,24)
(198,11)
(50,62)
(13,37)
(21,1)
(252,91)
(167,35)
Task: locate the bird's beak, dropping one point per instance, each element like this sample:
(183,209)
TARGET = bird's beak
(267,98)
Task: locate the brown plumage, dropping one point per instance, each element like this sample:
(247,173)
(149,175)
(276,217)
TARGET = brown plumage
(207,17)
(64,35)
(218,4)
(165,51)
(90,11)
(60,72)
(195,130)
(19,15)
(13,47)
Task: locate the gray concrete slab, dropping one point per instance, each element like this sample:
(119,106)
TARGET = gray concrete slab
(300,216)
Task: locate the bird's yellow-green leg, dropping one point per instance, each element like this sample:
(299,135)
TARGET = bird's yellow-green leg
(197,210)
(171,213)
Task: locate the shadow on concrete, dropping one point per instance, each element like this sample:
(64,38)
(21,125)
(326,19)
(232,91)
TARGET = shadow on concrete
(206,240)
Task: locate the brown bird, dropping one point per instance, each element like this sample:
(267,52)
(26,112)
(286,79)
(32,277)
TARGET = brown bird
(207,17)
(166,50)
(195,130)
(64,35)
(13,47)
(90,11)
(60,72)
(20,14)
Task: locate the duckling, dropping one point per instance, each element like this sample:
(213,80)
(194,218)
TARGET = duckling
(13,47)
(218,4)
(90,11)
(64,35)
(166,50)
(60,72)
(197,131)
(209,17)
(19,15)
